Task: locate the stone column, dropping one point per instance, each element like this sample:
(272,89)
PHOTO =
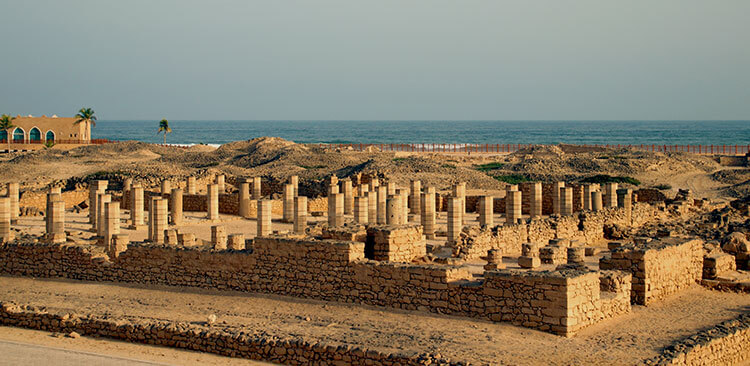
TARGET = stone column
(294,181)
(586,197)
(6,234)
(360,209)
(136,207)
(529,256)
(176,206)
(372,207)
(576,255)
(190,186)
(624,200)
(186,239)
(459,191)
(244,199)
(596,200)
(119,244)
(336,210)
(287,202)
(219,237)
(111,223)
(166,188)
(300,214)
(13,193)
(346,189)
(391,188)
(535,199)
(416,197)
(566,201)
(610,195)
(170,237)
(512,207)
(257,191)
(333,189)
(382,197)
(362,189)
(427,214)
(393,210)
(374,184)
(221,182)
(95,188)
(55,219)
(51,196)
(556,196)
(158,222)
(236,242)
(405,206)
(455,219)
(494,260)
(264,217)
(486,211)
(102,200)
(212,204)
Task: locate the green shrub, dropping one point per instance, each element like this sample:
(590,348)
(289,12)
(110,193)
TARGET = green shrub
(604,178)
(512,178)
(449,166)
(395,160)
(489,166)
(663,187)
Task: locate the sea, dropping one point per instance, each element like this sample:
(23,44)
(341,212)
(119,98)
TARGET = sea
(438,132)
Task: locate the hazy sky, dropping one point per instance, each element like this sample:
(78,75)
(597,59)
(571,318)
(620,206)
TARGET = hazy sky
(383,59)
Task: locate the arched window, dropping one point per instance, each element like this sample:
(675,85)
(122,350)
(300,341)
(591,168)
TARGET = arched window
(35,134)
(18,134)
(3,135)
(50,136)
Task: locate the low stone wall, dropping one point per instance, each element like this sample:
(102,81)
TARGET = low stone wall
(226,342)
(660,268)
(725,344)
(560,302)
(475,241)
(39,199)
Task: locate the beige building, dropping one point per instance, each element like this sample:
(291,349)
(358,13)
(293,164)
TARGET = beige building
(42,129)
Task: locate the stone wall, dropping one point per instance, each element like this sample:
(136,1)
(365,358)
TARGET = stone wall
(402,243)
(725,344)
(221,341)
(337,271)
(660,268)
(586,226)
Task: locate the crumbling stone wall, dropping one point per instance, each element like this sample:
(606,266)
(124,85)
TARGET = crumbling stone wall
(222,341)
(587,227)
(660,268)
(727,343)
(334,271)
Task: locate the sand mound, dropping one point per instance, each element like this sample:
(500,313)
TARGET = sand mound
(538,152)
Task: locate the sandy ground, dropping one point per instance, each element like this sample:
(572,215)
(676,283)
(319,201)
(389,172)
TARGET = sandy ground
(623,340)
(110,352)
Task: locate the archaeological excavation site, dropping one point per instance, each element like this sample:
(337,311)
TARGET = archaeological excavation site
(297,254)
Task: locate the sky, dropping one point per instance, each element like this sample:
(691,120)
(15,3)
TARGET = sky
(377,60)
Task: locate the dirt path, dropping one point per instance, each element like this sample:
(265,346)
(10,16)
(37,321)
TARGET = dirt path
(32,347)
(624,340)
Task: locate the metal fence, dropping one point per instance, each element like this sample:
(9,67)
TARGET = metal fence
(509,148)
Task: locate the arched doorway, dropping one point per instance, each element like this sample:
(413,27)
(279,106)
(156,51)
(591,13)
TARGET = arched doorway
(3,135)
(35,135)
(19,135)
(50,136)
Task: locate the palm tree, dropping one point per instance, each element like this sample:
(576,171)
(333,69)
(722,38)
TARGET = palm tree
(6,123)
(164,128)
(87,116)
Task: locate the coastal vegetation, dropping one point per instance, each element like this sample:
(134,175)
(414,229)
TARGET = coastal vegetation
(6,124)
(164,128)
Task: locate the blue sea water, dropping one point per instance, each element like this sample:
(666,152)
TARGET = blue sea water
(441,132)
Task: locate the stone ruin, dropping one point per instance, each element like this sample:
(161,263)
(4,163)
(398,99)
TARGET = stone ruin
(544,265)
